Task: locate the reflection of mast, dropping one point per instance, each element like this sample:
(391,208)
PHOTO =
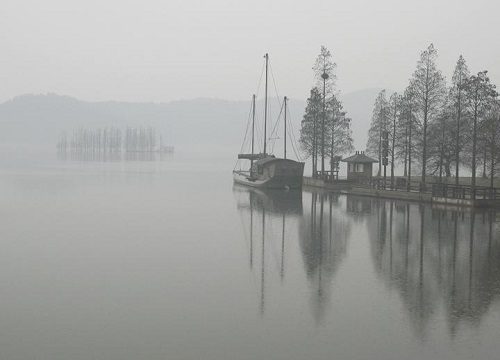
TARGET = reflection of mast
(253,129)
(262,262)
(282,272)
(251,231)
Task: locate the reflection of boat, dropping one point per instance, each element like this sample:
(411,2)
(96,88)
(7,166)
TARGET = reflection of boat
(271,200)
(268,206)
(266,170)
(272,173)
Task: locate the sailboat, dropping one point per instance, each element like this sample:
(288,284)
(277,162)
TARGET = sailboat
(267,170)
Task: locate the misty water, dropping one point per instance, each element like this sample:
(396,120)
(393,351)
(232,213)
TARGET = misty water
(169,260)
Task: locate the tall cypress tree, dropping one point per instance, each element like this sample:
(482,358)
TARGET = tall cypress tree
(428,86)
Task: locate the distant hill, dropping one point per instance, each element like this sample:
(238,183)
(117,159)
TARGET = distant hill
(193,125)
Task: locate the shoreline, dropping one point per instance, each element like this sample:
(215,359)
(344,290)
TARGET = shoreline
(350,188)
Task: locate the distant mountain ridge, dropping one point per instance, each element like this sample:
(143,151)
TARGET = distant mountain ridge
(196,124)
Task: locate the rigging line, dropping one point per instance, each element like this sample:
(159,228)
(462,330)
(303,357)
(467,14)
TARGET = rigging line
(295,151)
(292,136)
(260,79)
(246,130)
(294,147)
(275,87)
(258,133)
(277,122)
(245,137)
(249,115)
(278,99)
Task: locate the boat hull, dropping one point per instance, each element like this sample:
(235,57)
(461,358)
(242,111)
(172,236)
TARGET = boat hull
(275,174)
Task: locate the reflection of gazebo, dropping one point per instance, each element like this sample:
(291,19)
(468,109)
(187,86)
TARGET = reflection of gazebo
(359,166)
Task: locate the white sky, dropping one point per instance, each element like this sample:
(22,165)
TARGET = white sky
(165,50)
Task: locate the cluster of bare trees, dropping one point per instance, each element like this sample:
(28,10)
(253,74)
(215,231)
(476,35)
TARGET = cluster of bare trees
(140,139)
(326,132)
(108,140)
(91,140)
(441,129)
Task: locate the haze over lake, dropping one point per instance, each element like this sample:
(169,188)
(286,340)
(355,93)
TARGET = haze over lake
(128,260)
(140,140)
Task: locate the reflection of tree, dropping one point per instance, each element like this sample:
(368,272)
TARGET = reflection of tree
(358,207)
(436,257)
(323,241)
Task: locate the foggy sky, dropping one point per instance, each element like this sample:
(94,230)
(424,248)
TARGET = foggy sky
(161,50)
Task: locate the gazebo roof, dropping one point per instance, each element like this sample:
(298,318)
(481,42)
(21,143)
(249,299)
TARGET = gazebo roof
(359,158)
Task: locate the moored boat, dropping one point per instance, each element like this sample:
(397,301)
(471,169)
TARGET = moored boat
(272,173)
(267,170)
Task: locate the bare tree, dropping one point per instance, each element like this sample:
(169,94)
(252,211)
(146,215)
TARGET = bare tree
(492,137)
(324,72)
(480,94)
(428,86)
(341,141)
(379,124)
(310,136)
(457,98)
(394,114)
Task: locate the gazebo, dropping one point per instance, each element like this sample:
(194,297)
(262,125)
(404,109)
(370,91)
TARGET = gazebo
(359,166)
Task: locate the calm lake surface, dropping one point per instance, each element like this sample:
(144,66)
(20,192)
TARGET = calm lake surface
(168,260)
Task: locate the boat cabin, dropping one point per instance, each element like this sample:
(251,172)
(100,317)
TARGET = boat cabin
(271,166)
(359,166)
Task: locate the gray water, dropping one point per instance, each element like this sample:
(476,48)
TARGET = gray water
(168,260)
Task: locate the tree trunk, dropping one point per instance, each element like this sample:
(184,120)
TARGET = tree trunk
(331,149)
(406,153)
(441,155)
(379,150)
(315,149)
(484,163)
(474,144)
(492,160)
(424,149)
(323,120)
(457,140)
(393,145)
(409,152)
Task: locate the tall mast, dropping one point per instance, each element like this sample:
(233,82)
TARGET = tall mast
(284,100)
(265,106)
(253,127)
